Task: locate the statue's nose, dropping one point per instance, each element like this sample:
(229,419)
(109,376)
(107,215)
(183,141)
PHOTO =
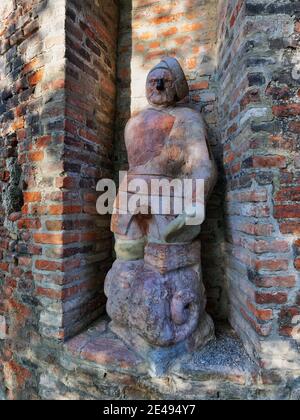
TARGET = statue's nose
(160,85)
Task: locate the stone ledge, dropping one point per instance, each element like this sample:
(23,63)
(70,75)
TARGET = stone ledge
(99,345)
(224,358)
(220,371)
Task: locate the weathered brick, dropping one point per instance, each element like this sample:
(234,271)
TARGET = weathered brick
(257,230)
(269,298)
(288,321)
(291,211)
(32,197)
(4,266)
(200,85)
(45,265)
(48,265)
(67,182)
(276,281)
(286,110)
(56,239)
(36,77)
(31,27)
(272,246)
(269,162)
(261,314)
(288,194)
(49,293)
(294,126)
(262,330)
(272,265)
(56,225)
(60,209)
(36,156)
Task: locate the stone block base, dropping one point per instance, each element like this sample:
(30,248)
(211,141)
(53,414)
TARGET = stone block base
(99,365)
(159,359)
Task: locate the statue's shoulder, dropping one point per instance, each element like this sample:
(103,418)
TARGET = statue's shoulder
(182,114)
(188,114)
(192,121)
(134,119)
(137,118)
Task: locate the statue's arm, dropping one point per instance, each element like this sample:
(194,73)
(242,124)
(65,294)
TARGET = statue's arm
(199,161)
(199,165)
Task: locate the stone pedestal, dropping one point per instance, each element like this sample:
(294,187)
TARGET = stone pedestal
(158,304)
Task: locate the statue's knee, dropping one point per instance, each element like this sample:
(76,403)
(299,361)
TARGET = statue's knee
(130,249)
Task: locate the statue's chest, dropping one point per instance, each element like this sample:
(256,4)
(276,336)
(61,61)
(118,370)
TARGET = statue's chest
(149,136)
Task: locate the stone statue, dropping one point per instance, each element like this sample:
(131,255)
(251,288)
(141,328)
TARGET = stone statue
(156,297)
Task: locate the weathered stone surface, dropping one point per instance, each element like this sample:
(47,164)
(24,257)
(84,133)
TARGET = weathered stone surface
(161,297)
(222,370)
(186,30)
(166,259)
(109,352)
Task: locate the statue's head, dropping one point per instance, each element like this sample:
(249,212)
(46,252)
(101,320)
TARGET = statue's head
(166,83)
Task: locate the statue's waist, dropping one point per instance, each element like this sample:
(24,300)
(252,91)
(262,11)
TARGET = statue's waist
(151,185)
(135,175)
(157,184)
(159,170)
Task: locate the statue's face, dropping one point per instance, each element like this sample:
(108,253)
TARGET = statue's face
(160,88)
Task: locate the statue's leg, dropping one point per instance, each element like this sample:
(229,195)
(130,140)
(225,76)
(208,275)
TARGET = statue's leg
(130,240)
(129,249)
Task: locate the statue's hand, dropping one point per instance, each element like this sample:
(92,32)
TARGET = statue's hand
(195,214)
(192,216)
(174,227)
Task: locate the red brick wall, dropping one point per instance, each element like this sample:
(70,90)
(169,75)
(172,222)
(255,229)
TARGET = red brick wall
(91,43)
(187,30)
(31,148)
(259,128)
(56,134)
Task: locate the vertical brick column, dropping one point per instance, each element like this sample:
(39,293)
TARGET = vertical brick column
(259,114)
(57,78)
(91,51)
(31,151)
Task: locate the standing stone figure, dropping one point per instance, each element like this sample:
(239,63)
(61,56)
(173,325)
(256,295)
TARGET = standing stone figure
(156,297)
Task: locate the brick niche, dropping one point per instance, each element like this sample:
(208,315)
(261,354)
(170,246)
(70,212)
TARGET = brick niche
(72,73)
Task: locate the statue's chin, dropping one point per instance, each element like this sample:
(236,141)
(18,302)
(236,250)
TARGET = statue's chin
(162,100)
(160,103)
